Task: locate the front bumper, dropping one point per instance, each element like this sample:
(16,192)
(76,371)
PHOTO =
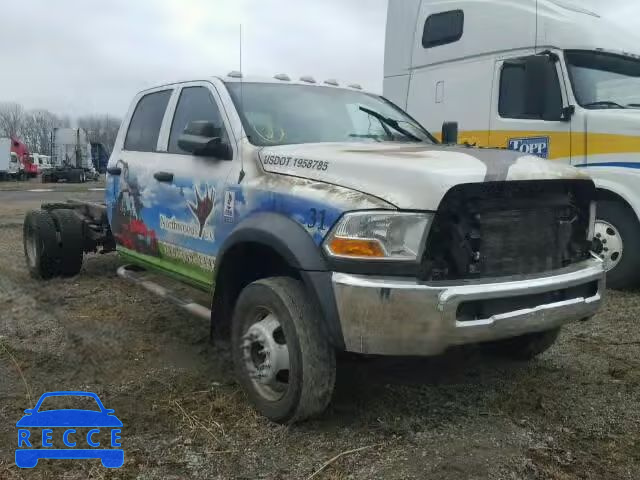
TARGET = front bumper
(395,316)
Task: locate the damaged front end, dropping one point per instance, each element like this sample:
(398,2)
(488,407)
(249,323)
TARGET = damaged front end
(497,229)
(501,260)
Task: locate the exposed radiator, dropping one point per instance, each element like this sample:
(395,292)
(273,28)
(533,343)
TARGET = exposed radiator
(509,228)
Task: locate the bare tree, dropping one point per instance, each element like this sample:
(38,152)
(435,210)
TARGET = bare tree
(11,119)
(101,129)
(34,127)
(37,127)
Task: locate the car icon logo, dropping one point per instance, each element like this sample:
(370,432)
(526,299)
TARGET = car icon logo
(69,433)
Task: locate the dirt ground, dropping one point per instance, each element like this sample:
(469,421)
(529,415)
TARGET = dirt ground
(573,413)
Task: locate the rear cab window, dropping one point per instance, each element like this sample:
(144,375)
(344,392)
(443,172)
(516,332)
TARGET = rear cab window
(144,128)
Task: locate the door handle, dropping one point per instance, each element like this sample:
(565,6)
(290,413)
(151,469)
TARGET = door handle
(114,171)
(163,176)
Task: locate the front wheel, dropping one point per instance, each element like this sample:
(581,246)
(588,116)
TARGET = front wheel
(282,359)
(617,231)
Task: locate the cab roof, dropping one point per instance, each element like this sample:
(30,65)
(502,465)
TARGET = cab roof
(236,77)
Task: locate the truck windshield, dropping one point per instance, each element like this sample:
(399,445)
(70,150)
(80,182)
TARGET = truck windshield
(603,80)
(275,114)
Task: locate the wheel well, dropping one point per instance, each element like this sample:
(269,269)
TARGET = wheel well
(242,264)
(609,196)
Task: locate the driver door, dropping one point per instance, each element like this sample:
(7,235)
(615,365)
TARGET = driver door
(187,190)
(527,110)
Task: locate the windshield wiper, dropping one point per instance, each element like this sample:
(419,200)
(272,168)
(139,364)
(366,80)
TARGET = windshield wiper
(633,105)
(604,103)
(392,123)
(372,136)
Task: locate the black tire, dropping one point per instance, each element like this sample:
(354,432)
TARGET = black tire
(525,347)
(312,361)
(71,241)
(40,243)
(627,273)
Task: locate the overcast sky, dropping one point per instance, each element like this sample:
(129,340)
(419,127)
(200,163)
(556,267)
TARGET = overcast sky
(90,56)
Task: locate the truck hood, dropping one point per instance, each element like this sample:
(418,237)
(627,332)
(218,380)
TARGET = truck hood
(408,175)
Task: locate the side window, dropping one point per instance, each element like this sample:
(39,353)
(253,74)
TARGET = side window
(443,28)
(517,92)
(144,127)
(195,104)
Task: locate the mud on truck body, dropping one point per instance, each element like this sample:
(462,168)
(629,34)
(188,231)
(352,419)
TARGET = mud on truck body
(324,219)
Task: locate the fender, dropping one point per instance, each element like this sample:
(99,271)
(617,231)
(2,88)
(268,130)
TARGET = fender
(296,246)
(623,191)
(284,235)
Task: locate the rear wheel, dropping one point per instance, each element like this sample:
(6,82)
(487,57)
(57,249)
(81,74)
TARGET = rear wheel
(617,232)
(40,242)
(71,241)
(525,347)
(282,359)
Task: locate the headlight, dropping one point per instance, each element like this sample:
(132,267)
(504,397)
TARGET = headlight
(379,235)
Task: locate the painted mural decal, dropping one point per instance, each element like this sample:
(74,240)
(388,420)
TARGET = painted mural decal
(203,207)
(180,226)
(127,224)
(229,206)
(202,210)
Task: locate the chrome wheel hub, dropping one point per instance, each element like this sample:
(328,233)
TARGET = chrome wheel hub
(266,357)
(610,244)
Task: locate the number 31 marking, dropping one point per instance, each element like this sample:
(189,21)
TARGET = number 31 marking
(316,219)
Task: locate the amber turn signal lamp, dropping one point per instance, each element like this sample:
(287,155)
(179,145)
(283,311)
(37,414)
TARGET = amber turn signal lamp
(350,247)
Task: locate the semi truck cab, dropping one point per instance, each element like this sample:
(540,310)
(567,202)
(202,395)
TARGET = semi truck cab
(558,79)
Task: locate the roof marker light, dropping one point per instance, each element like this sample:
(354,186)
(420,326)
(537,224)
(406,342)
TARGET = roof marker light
(234,74)
(307,79)
(282,76)
(356,86)
(331,81)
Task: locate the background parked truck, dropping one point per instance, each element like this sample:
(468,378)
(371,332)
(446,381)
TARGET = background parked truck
(70,157)
(15,161)
(5,158)
(560,80)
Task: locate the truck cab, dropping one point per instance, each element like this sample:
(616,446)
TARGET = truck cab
(544,77)
(319,218)
(15,169)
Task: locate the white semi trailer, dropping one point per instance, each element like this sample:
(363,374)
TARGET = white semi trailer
(5,157)
(10,167)
(70,157)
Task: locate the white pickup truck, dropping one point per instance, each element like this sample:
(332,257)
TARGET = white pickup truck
(321,219)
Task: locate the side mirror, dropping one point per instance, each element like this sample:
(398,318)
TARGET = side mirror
(203,139)
(450,133)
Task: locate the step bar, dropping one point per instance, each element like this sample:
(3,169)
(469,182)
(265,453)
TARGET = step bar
(135,274)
